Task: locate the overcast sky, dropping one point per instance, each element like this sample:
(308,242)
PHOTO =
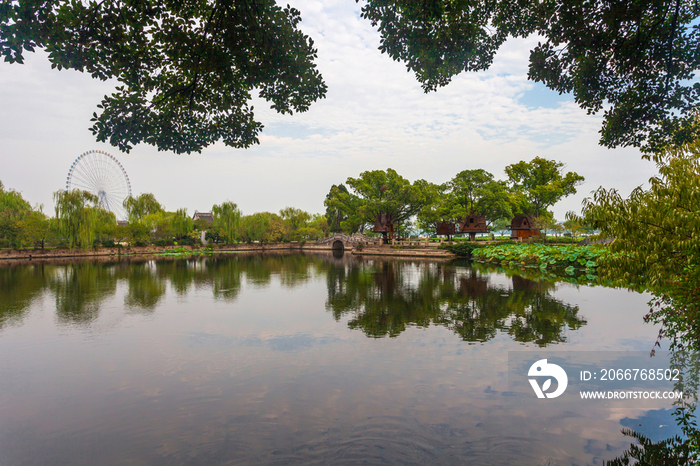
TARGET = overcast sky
(375,116)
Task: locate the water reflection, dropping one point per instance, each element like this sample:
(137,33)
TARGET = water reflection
(80,288)
(245,359)
(380,297)
(383,298)
(20,286)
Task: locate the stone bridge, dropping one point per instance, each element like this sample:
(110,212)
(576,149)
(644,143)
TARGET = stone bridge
(341,241)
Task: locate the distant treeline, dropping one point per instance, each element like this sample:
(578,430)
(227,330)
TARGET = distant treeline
(80,222)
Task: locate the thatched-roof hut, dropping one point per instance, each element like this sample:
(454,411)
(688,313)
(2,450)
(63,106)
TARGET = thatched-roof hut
(474,223)
(384,224)
(523,227)
(445,228)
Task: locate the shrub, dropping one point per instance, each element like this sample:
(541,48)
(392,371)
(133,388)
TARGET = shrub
(462,249)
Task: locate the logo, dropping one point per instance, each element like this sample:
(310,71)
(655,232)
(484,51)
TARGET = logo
(543,369)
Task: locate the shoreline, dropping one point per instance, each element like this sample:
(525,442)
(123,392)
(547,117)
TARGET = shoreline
(164,251)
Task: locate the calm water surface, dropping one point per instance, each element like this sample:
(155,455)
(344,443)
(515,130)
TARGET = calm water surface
(296,359)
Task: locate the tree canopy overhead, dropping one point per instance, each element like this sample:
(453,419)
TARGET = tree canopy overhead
(186,69)
(634,59)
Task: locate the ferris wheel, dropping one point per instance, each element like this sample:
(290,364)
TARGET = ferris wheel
(101,174)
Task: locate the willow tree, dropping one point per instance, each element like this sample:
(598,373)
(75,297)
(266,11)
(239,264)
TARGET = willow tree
(137,208)
(227,220)
(182,224)
(79,215)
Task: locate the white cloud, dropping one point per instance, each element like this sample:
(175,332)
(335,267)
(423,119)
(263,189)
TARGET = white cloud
(375,116)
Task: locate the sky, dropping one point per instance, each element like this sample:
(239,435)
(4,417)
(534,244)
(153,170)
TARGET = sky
(375,116)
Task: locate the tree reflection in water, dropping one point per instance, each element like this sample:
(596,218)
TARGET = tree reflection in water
(382,298)
(20,286)
(80,288)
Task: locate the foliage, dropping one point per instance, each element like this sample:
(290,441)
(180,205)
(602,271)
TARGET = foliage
(14,211)
(670,452)
(500,225)
(318,226)
(334,215)
(463,248)
(296,221)
(574,224)
(37,228)
(657,245)
(477,191)
(348,209)
(544,222)
(80,217)
(633,60)
(543,256)
(380,191)
(182,224)
(253,227)
(185,71)
(540,184)
(387,191)
(227,220)
(657,230)
(443,208)
(657,242)
(137,208)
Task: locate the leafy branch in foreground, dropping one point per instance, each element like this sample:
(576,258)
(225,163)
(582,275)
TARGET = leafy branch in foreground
(186,70)
(633,60)
(657,244)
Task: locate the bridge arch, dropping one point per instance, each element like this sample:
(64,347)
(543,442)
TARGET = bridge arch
(341,242)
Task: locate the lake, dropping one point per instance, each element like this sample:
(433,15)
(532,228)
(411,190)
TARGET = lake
(300,359)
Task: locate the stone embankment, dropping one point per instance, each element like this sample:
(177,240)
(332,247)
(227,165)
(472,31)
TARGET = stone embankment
(6,254)
(375,250)
(387,250)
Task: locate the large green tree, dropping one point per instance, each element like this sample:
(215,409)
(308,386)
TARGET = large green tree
(334,214)
(539,184)
(382,191)
(470,191)
(186,70)
(477,191)
(633,59)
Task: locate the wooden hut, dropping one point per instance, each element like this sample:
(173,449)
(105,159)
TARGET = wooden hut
(445,228)
(474,223)
(384,224)
(522,227)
